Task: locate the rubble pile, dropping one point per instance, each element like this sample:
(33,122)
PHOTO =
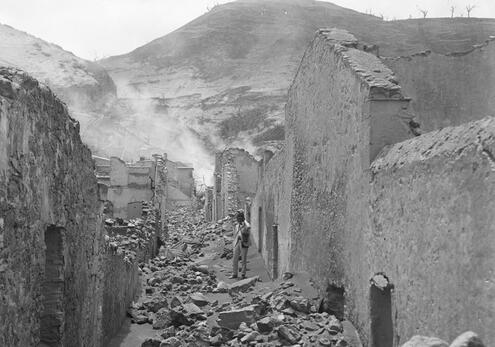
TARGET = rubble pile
(132,237)
(188,306)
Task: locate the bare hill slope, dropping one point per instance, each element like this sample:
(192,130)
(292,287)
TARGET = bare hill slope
(224,76)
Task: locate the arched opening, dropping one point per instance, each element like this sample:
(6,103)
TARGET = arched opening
(52,289)
(382,329)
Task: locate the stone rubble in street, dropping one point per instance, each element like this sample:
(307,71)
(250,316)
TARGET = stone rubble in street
(187,306)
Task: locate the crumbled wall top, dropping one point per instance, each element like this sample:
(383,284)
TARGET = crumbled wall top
(367,66)
(448,142)
(234,150)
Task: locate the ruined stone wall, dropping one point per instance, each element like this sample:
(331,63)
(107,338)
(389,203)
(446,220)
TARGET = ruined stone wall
(433,232)
(48,193)
(270,207)
(344,106)
(129,183)
(236,173)
(126,248)
(448,90)
(402,227)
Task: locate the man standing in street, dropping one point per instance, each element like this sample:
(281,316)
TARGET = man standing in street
(242,241)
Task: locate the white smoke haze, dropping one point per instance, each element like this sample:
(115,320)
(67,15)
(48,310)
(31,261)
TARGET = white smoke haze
(170,132)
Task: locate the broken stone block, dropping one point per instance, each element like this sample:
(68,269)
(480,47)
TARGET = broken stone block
(243,285)
(201,268)
(169,332)
(309,326)
(192,309)
(162,319)
(216,340)
(171,342)
(265,325)
(155,303)
(232,319)
(334,326)
(178,318)
(289,333)
(253,335)
(222,287)
(425,341)
(175,302)
(151,342)
(467,339)
(301,304)
(324,341)
(199,299)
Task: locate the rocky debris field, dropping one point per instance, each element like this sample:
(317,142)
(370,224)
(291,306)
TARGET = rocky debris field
(131,237)
(187,303)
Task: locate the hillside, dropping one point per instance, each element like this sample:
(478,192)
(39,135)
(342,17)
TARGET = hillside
(81,84)
(225,75)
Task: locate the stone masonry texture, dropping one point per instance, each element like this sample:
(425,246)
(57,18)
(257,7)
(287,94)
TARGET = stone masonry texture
(46,182)
(357,196)
(448,90)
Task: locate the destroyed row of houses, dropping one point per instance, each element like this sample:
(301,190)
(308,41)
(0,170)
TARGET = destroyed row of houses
(384,191)
(124,186)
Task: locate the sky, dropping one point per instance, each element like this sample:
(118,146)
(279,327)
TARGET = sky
(94,29)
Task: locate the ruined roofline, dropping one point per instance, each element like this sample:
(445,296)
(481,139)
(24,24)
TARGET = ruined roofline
(475,48)
(367,67)
(448,142)
(232,149)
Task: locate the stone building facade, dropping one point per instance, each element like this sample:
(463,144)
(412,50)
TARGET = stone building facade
(397,226)
(181,187)
(127,185)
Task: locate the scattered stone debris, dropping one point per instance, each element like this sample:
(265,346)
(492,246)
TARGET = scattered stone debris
(467,339)
(187,306)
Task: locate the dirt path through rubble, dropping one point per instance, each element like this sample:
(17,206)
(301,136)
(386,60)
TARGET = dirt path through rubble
(188,300)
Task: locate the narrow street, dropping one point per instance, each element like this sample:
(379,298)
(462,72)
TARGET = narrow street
(187,298)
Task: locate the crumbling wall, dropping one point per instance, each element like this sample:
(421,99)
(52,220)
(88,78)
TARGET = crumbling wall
(236,173)
(48,193)
(448,90)
(344,106)
(271,206)
(433,232)
(127,247)
(401,229)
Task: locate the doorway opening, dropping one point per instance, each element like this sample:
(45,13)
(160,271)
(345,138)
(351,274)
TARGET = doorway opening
(382,329)
(52,289)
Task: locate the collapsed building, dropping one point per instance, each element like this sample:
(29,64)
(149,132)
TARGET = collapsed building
(395,227)
(181,187)
(65,279)
(234,183)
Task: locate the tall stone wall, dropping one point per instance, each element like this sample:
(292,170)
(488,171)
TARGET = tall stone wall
(127,247)
(48,205)
(433,232)
(402,225)
(271,207)
(449,90)
(344,107)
